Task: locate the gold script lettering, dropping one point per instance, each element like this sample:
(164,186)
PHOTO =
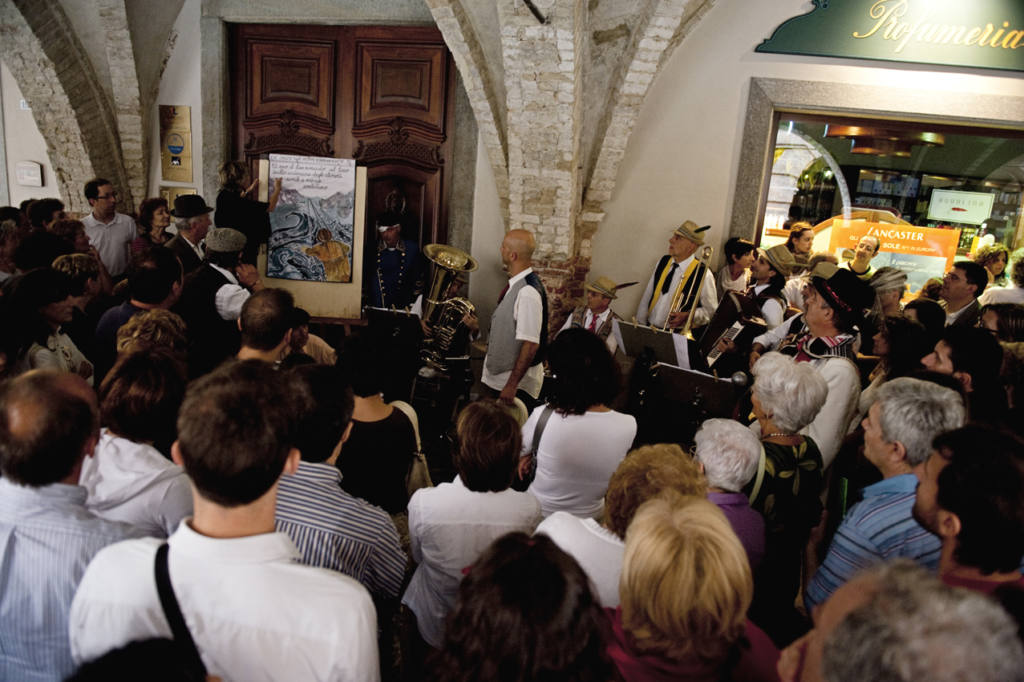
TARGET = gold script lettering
(883,14)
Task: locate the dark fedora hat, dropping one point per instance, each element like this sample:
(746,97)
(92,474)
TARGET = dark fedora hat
(846,294)
(189,206)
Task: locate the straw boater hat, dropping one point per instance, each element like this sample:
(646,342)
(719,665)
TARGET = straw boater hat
(689,230)
(606,286)
(781,259)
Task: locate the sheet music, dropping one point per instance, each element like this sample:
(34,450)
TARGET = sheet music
(682,351)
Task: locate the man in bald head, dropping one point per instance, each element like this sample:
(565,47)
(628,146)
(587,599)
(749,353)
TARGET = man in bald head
(519,326)
(49,423)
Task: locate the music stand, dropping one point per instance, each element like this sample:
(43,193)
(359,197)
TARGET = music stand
(640,341)
(397,335)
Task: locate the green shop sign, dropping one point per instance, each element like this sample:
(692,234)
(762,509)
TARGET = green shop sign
(987,34)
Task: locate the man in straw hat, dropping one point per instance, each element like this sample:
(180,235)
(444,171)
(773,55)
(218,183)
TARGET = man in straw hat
(596,315)
(679,272)
(824,335)
(769,272)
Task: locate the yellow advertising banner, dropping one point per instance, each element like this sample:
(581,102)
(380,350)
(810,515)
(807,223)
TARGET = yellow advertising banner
(176,143)
(921,252)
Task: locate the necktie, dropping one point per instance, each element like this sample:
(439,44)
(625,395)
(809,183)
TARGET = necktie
(668,280)
(593,323)
(502,294)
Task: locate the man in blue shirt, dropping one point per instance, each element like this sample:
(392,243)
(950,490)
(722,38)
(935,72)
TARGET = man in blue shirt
(898,433)
(49,423)
(331,528)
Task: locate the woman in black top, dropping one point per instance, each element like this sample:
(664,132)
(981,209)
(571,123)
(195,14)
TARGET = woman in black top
(249,217)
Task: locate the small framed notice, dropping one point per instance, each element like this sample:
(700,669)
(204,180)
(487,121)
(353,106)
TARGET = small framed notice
(29,173)
(954,206)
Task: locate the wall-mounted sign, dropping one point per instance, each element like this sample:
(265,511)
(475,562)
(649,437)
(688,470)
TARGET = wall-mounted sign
(954,206)
(987,34)
(176,143)
(29,173)
(921,252)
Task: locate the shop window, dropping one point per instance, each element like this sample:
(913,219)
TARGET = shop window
(927,175)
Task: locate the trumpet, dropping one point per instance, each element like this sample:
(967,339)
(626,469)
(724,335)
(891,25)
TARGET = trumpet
(690,296)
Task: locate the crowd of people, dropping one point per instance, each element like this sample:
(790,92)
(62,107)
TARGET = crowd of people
(193,484)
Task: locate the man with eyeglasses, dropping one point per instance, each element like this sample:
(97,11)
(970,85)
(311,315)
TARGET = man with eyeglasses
(109,231)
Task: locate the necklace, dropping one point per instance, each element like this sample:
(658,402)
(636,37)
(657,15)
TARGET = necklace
(777,435)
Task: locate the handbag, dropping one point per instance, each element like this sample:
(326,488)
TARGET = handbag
(521,483)
(418,475)
(172,612)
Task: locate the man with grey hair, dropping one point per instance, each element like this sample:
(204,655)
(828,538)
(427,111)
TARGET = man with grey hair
(898,432)
(192,220)
(914,628)
(212,299)
(896,622)
(728,453)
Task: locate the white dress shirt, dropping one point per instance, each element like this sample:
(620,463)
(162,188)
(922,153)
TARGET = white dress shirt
(997,295)
(449,526)
(528,314)
(598,551)
(112,240)
(659,316)
(230,298)
(613,338)
(254,612)
(134,483)
(771,310)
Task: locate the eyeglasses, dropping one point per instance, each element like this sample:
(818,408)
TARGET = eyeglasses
(112,195)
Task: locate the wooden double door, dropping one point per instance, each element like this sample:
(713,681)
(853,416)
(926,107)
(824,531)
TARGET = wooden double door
(380,95)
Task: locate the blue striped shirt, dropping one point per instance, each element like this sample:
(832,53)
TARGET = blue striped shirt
(335,530)
(878,528)
(47,538)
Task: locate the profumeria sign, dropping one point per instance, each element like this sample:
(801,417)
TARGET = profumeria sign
(987,34)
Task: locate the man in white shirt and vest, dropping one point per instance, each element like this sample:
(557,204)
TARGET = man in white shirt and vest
(253,611)
(109,231)
(519,325)
(597,316)
(677,277)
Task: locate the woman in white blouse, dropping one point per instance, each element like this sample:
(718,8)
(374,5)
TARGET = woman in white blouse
(42,300)
(583,439)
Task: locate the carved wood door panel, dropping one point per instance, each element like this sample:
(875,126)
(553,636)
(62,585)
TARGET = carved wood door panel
(381,95)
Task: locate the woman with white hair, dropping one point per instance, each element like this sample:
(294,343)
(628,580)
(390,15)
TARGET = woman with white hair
(729,454)
(786,396)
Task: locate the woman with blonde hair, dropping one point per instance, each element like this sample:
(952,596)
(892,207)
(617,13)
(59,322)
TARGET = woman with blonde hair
(685,589)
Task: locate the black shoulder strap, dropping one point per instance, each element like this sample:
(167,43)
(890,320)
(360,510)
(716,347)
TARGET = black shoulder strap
(538,431)
(182,636)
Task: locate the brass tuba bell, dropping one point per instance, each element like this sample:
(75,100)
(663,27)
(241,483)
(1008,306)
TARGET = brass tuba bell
(448,263)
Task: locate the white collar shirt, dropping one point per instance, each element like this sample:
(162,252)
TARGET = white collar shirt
(112,240)
(230,298)
(658,316)
(613,338)
(253,611)
(528,314)
(197,248)
(133,483)
(449,526)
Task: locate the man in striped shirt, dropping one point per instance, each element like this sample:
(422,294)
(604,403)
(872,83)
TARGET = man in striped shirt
(331,528)
(898,432)
(49,423)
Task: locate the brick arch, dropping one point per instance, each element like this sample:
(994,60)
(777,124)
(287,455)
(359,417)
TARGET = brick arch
(67,100)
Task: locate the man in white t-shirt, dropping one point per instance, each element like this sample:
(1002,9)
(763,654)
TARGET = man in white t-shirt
(109,231)
(254,612)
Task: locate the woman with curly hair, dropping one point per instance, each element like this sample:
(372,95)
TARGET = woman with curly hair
(582,439)
(525,612)
(154,218)
(994,258)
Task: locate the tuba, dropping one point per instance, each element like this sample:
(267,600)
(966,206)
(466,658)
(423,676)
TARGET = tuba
(444,315)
